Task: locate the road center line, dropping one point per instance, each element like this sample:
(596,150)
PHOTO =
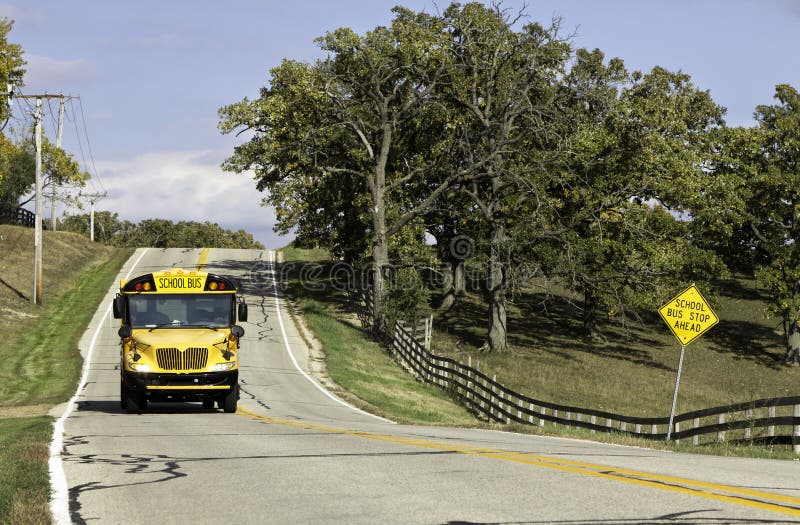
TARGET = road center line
(735,495)
(201,262)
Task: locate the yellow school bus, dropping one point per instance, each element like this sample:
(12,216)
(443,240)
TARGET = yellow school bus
(179,339)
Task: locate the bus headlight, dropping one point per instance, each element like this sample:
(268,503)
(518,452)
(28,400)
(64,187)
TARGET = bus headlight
(224,367)
(140,367)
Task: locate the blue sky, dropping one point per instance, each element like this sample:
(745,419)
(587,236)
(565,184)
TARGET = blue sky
(152,74)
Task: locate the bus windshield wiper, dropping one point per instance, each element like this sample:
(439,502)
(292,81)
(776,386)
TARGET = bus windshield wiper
(215,328)
(165,325)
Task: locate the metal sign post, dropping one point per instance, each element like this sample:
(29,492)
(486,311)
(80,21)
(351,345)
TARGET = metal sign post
(688,316)
(675,395)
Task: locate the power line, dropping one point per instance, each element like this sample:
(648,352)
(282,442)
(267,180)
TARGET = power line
(53,121)
(89,146)
(80,143)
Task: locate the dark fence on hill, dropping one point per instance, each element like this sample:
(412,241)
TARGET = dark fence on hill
(774,421)
(20,216)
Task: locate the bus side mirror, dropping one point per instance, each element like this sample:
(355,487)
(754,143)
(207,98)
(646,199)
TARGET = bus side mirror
(125,332)
(117,306)
(237,330)
(243,312)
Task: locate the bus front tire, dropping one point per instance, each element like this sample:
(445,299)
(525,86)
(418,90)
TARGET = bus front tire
(230,400)
(123,396)
(133,402)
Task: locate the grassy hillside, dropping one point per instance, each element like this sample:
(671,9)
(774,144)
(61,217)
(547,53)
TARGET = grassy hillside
(41,361)
(632,372)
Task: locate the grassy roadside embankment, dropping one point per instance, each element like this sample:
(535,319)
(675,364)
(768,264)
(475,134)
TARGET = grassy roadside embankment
(40,356)
(360,366)
(631,373)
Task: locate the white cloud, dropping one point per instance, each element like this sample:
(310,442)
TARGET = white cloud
(185,185)
(53,74)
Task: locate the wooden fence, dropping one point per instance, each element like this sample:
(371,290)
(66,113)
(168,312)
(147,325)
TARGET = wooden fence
(19,216)
(770,421)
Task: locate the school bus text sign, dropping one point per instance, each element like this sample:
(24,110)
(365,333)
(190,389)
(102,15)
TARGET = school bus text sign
(688,315)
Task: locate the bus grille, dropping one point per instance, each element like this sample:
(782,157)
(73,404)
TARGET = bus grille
(189,359)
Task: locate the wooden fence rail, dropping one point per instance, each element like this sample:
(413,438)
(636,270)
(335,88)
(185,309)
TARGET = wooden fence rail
(19,216)
(769,421)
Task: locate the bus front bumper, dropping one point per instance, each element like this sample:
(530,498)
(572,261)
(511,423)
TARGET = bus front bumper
(183,386)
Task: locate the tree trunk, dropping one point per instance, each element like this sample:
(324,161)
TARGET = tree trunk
(448,291)
(496,287)
(793,343)
(590,313)
(459,278)
(380,244)
(453,283)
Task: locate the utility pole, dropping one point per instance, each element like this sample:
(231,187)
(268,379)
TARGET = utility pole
(53,219)
(36,296)
(37,233)
(93,197)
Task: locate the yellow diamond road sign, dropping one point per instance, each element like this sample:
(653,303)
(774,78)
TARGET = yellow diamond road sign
(688,315)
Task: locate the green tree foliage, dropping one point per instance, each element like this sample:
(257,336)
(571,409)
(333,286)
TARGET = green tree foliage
(638,146)
(771,188)
(158,233)
(405,297)
(552,161)
(502,85)
(11,71)
(59,168)
(11,64)
(348,131)
(16,165)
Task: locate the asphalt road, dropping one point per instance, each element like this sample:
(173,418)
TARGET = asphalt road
(293,454)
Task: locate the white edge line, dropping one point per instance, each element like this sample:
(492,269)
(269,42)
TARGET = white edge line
(271,260)
(59,490)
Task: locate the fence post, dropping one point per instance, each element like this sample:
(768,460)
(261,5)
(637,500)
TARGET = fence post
(654,429)
(677,429)
(492,397)
(483,387)
(541,421)
(771,428)
(696,437)
(796,433)
(721,433)
(749,417)
(469,378)
(638,428)
(594,422)
(428,332)
(530,415)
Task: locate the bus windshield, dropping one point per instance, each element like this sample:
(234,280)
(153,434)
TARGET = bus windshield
(180,310)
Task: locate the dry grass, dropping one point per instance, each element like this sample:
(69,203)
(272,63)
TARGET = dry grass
(63,256)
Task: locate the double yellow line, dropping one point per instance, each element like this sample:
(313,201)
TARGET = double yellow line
(729,494)
(201,261)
